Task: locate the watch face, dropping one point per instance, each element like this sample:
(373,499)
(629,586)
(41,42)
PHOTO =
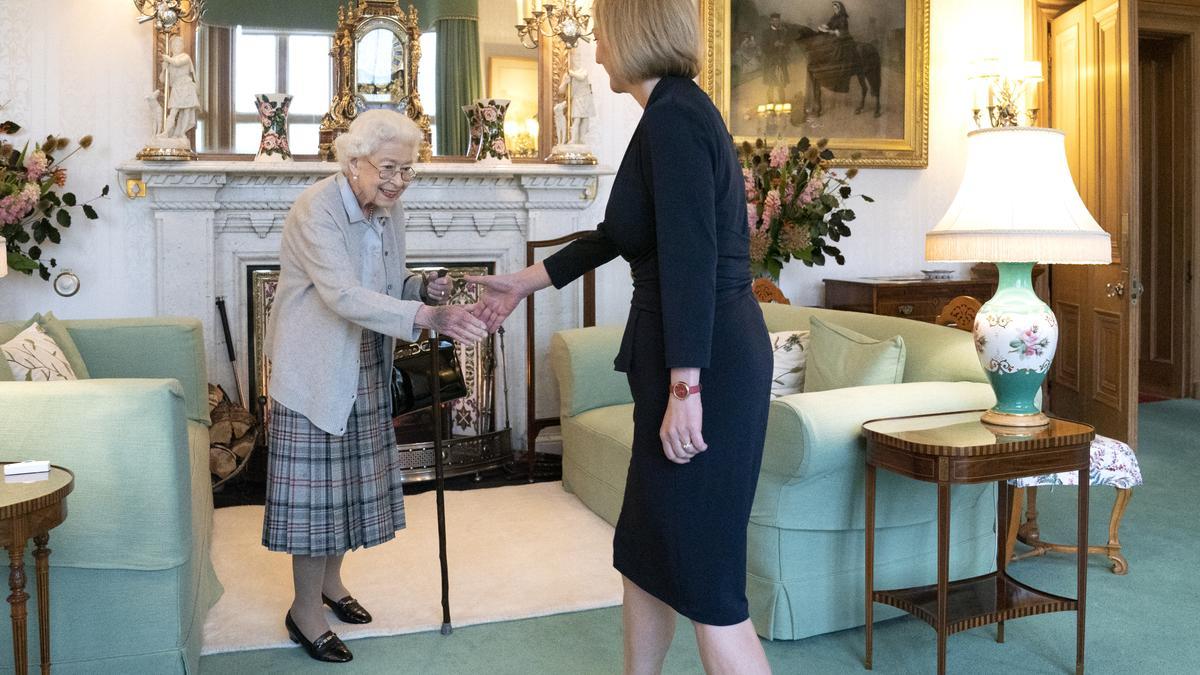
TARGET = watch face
(680,390)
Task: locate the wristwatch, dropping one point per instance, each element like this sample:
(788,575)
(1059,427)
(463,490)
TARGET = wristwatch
(681,390)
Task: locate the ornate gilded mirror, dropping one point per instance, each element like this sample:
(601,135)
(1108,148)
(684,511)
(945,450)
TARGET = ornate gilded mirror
(376,52)
(461,50)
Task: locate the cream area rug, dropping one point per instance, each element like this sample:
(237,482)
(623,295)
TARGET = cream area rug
(515,552)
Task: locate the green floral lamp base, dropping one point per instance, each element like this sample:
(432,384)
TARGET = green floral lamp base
(1016,335)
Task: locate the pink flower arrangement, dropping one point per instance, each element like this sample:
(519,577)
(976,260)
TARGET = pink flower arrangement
(795,204)
(31,209)
(35,165)
(779,155)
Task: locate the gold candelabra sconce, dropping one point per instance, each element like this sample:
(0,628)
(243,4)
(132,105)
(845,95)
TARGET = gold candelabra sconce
(522,139)
(773,118)
(1007,92)
(568,23)
(166,14)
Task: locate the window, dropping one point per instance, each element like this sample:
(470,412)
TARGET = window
(261,62)
(427,81)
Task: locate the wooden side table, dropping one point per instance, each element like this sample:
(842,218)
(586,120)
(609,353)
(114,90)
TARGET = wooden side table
(908,298)
(30,510)
(958,448)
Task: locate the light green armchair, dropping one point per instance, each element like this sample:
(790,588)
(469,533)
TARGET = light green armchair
(131,580)
(805,557)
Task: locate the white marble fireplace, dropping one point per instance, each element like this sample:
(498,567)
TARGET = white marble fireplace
(212,220)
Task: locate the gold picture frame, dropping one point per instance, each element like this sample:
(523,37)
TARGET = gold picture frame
(898,137)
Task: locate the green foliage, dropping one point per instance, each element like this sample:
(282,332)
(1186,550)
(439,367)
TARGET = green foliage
(31,209)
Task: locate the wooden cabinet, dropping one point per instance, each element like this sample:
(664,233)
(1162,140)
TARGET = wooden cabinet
(919,299)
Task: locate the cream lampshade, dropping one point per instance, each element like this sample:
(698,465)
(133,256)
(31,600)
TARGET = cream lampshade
(1017,205)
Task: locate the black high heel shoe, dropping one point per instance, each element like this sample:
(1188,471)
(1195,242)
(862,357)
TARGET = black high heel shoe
(328,647)
(347,609)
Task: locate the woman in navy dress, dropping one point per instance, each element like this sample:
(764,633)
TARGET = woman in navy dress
(677,214)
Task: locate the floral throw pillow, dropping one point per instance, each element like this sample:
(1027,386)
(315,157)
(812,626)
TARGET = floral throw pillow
(34,356)
(790,349)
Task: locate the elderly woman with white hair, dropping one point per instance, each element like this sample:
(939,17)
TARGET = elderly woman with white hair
(343,297)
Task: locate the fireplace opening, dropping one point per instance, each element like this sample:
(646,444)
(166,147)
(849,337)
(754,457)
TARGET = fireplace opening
(476,431)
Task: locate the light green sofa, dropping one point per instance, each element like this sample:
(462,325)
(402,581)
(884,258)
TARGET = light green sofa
(131,580)
(805,562)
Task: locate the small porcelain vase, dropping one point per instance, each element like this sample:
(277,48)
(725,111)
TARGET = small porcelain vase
(475,129)
(492,146)
(1016,335)
(272,112)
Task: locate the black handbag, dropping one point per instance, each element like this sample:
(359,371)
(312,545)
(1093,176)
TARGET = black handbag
(412,381)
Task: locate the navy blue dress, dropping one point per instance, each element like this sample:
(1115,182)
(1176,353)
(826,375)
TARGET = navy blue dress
(677,214)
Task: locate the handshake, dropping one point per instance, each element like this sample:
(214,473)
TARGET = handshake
(499,296)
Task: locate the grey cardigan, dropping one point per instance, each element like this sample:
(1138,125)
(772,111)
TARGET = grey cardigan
(320,306)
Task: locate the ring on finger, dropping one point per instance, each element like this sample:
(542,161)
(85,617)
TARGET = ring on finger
(687,445)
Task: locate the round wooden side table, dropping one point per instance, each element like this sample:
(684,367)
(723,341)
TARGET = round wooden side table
(955,448)
(30,506)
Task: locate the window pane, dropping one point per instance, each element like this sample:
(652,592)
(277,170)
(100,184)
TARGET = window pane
(254,70)
(302,138)
(427,73)
(310,72)
(200,125)
(246,137)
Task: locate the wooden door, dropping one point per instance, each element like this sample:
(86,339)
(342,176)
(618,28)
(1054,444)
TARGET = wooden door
(1164,83)
(1094,379)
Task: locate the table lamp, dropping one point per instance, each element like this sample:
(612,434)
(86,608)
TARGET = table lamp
(1017,206)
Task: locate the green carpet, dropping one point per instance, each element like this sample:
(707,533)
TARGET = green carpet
(1136,623)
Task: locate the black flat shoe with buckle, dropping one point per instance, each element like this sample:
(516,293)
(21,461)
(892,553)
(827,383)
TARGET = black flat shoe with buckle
(328,647)
(347,609)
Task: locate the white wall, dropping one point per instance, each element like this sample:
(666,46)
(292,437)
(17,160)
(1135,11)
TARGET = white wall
(75,67)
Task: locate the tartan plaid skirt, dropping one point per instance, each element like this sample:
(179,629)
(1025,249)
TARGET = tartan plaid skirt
(330,494)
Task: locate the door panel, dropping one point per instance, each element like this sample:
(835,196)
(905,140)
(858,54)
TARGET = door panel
(1165,133)
(1094,376)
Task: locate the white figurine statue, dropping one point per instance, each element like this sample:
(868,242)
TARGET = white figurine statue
(182,104)
(183,101)
(560,123)
(575,84)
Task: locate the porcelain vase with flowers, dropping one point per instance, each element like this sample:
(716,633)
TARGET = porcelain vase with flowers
(493,149)
(1016,336)
(272,113)
(475,128)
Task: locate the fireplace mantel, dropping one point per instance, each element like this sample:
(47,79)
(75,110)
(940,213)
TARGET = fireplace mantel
(212,220)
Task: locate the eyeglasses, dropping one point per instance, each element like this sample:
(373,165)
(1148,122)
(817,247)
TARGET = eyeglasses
(406,173)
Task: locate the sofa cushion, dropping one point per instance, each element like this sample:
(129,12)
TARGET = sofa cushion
(789,350)
(839,358)
(597,445)
(932,353)
(53,350)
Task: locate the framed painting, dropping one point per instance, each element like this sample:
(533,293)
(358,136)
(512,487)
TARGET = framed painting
(855,72)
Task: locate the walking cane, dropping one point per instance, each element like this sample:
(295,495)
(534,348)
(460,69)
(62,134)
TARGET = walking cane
(440,478)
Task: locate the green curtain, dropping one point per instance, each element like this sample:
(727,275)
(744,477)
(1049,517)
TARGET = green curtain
(459,81)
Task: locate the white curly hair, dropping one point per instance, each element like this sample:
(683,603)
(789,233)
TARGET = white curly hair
(370,130)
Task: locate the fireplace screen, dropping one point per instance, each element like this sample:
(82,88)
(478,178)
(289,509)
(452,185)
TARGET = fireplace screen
(471,415)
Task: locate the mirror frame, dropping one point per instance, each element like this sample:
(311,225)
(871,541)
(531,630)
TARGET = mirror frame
(552,64)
